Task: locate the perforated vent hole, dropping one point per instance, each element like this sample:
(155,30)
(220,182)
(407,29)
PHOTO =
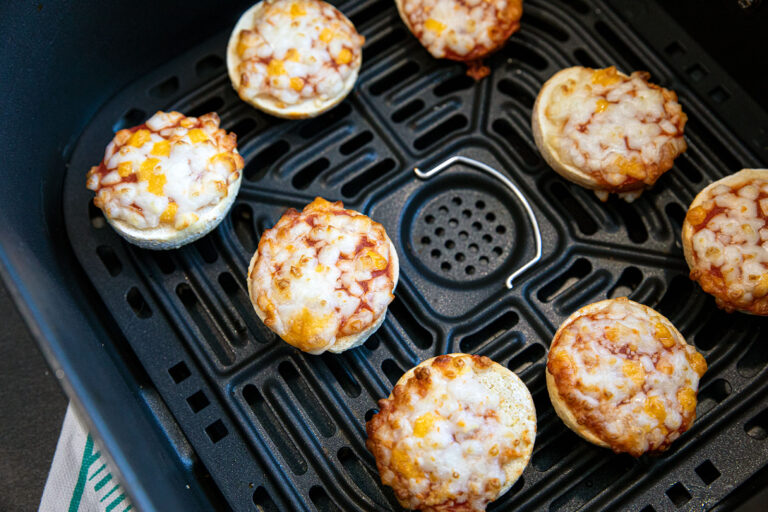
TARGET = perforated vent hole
(263,502)
(707,472)
(110,260)
(465,237)
(208,65)
(165,88)
(138,304)
(216,431)
(198,401)
(757,427)
(131,118)
(179,372)
(678,494)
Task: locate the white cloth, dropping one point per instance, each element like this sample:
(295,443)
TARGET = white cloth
(80,480)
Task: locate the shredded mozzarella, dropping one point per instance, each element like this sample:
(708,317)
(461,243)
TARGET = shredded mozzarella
(730,244)
(297,50)
(322,274)
(626,377)
(169,170)
(620,129)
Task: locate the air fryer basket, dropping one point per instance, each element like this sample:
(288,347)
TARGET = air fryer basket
(281,430)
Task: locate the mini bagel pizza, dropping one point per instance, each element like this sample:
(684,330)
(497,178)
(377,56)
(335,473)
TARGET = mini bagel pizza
(169,181)
(455,433)
(462,30)
(725,241)
(294,58)
(622,377)
(322,278)
(607,131)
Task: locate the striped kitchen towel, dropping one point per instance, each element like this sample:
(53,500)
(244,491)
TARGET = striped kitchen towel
(80,479)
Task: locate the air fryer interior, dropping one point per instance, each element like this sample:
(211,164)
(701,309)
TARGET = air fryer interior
(249,422)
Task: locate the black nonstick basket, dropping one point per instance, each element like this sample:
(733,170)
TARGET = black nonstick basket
(201,407)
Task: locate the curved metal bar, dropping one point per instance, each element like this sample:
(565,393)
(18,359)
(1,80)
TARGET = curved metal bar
(424,175)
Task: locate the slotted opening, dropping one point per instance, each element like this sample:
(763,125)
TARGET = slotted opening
(109,259)
(260,164)
(576,272)
(547,456)
(392,370)
(207,251)
(315,126)
(627,283)
(676,214)
(139,306)
(584,58)
(242,222)
(688,169)
(198,401)
(521,53)
(307,174)
(356,184)
(707,472)
(678,294)
(243,127)
(718,327)
(529,356)
(165,88)
(130,119)
(370,12)
(306,399)
(212,104)
(546,26)
(648,508)
(394,78)
(713,143)
(210,330)
(615,42)
(208,65)
(382,44)
(355,143)
(342,375)
(578,6)
(357,471)
(755,359)
(372,343)
(711,395)
(321,500)
(407,110)
(442,130)
(216,431)
(489,332)
(593,483)
(263,502)
(179,372)
(757,427)
(454,84)
(413,328)
(678,494)
(274,430)
(520,145)
(516,92)
(633,221)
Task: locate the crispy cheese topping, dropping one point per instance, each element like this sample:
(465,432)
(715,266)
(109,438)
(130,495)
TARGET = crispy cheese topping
(444,439)
(627,376)
(622,130)
(169,170)
(462,29)
(298,50)
(730,245)
(323,274)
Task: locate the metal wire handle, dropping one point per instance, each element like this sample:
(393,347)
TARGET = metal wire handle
(424,175)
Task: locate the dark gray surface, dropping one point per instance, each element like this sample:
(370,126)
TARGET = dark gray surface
(32,408)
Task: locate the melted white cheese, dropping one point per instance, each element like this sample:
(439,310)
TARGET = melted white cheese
(297,50)
(322,274)
(460,27)
(629,374)
(170,171)
(735,241)
(615,127)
